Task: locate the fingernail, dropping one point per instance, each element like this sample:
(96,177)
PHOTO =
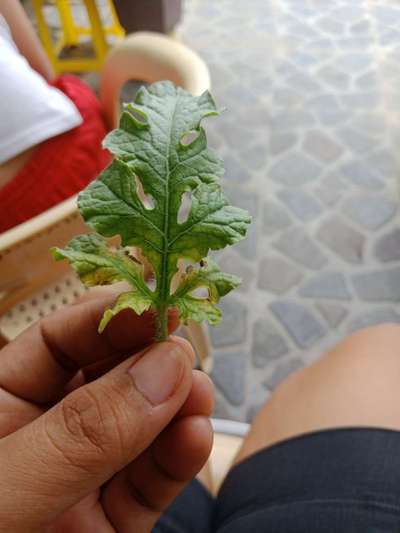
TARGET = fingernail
(159,371)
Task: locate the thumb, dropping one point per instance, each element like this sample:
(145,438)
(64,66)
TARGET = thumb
(95,431)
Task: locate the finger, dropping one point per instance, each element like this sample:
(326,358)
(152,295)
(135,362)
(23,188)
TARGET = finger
(92,434)
(186,346)
(15,413)
(138,495)
(88,515)
(184,447)
(99,368)
(160,473)
(53,350)
(201,397)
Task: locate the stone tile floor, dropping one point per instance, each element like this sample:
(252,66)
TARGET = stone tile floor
(309,137)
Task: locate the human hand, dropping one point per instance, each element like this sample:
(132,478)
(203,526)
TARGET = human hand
(112,454)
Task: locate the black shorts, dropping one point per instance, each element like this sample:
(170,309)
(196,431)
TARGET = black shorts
(334,481)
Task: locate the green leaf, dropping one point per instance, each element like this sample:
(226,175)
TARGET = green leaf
(198,309)
(166,168)
(161,152)
(127,300)
(212,224)
(210,277)
(97,264)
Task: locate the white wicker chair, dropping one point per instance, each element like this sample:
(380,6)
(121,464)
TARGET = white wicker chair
(32,284)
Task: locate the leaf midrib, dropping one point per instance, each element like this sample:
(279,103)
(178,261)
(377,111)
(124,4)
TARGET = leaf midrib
(164,289)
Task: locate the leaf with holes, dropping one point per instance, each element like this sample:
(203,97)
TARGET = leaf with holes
(161,156)
(97,264)
(208,276)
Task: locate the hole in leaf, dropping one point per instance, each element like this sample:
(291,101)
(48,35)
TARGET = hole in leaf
(135,255)
(150,276)
(151,283)
(189,137)
(139,116)
(200,292)
(146,199)
(184,210)
(183,266)
(176,278)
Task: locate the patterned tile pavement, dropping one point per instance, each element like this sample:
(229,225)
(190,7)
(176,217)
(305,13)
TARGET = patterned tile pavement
(312,90)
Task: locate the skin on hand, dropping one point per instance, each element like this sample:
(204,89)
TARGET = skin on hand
(98,459)
(25,37)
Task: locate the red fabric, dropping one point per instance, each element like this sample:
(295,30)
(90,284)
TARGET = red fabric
(60,166)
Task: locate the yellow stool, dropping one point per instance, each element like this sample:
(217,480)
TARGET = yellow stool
(71,34)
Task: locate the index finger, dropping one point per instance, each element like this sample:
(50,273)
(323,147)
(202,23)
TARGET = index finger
(38,364)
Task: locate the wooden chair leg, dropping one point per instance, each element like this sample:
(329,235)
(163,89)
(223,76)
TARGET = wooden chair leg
(198,336)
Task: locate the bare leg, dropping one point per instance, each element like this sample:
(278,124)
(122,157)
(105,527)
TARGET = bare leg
(356,384)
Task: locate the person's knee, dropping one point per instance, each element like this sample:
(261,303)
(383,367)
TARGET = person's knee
(360,355)
(368,356)
(355,384)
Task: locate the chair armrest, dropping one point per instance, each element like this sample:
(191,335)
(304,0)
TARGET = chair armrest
(25,260)
(149,57)
(42,222)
